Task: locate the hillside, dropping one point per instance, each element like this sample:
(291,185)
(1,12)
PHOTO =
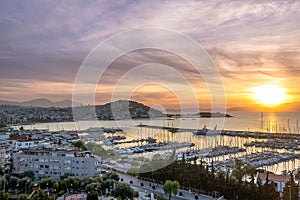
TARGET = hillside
(124,109)
(40,102)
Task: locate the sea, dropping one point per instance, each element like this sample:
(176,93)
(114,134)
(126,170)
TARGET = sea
(269,122)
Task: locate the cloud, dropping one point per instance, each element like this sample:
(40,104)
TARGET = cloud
(250,42)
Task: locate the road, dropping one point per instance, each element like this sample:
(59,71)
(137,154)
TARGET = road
(147,188)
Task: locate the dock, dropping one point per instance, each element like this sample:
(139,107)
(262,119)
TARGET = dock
(231,133)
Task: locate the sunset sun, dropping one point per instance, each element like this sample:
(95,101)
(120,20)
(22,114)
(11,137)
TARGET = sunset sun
(269,95)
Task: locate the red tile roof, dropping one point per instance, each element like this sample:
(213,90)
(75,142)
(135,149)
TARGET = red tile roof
(274,177)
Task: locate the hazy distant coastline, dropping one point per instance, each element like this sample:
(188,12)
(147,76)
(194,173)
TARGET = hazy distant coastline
(43,111)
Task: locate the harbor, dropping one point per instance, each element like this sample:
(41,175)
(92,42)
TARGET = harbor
(148,138)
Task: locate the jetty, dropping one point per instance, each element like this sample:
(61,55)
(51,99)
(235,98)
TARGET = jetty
(154,147)
(266,158)
(209,152)
(231,133)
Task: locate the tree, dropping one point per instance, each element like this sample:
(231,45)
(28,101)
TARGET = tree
(72,182)
(60,186)
(91,179)
(268,191)
(92,187)
(28,173)
(3,181)
(13,181)
(4,196)
(42,195)
(79,144)
(92,195)
(123,191)
(46,183)
(22,197)
(237,171)
(250,170)
(291,190)
(112,175)
(171,187)
(24,183)
(1,171)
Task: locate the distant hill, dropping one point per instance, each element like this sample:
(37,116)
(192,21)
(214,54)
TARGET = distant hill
(124,109)
(117,110)
(40,102)
(2,102)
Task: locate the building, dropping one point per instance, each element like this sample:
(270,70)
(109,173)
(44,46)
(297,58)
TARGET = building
(56,163)
(279,180)
(4,154)
(18,142)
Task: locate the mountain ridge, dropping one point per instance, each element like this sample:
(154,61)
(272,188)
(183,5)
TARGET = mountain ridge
(39,102)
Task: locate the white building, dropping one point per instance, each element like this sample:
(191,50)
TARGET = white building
(56,163)
(17,143)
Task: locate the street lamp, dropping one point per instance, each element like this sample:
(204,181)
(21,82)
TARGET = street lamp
(71,188)
(17,187)
(4,186)
(47,188)
(290,188)
(26,185)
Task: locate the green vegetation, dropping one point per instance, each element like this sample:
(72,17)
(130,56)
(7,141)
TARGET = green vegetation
(20,186)
(201,179)
(123,191)
(291,190)
(79,144)
(97,150)
(171,187)
(42,195)
(4,196)
(92,195)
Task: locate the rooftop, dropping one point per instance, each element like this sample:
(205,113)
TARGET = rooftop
(274,177)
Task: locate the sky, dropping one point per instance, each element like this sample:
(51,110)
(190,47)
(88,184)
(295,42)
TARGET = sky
(252,43)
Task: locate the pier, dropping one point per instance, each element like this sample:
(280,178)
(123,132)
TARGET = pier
(232,133)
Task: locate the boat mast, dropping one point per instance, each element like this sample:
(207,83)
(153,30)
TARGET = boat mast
(262,122)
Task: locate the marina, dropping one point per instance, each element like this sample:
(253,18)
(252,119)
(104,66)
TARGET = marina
(259,160)
(234,140)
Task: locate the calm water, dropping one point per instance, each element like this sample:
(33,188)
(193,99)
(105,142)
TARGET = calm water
(245,121)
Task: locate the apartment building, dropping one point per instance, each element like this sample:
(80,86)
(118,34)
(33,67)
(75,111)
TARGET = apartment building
(56,163)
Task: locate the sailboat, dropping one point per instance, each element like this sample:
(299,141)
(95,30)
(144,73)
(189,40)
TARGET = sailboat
(206,131)
(213,132)
(202,131)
